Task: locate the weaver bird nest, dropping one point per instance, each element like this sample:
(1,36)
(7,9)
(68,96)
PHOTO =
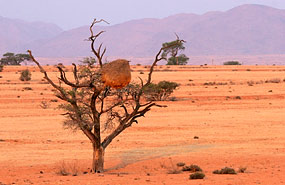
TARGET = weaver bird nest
(116,74)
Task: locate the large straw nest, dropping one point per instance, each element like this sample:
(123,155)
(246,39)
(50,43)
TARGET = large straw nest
(116,74)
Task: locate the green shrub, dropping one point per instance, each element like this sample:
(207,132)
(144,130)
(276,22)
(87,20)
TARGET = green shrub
(197,175)
(232,63)
(1,68)
(25,75)
(225,170)
(160,91)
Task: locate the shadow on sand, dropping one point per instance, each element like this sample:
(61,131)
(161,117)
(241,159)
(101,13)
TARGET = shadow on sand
(145,153)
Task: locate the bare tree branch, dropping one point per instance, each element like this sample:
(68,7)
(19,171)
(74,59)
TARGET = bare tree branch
(75,74)
(67,82)
(62,92)
(93,38)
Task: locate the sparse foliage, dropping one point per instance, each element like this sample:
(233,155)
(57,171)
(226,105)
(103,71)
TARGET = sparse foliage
(89,61)
(1,68)
(92,107)
(26,75)
(182,59)
(173,49)
(160,91)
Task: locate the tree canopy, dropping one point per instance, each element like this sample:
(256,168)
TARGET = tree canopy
(173,48)
(14,59)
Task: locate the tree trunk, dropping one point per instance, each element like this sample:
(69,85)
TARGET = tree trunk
(98,159)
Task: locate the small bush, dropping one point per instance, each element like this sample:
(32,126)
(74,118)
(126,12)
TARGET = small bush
(238,97)
(25,75)
(27,88)
(160,91)
(1,68)
(192,168)
(225,170)
(215,83)
(273,80)
(232,63)
(197,175)
(250,83)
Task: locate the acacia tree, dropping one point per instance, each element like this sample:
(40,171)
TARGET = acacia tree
(12,59)
(91,108)
(173,49)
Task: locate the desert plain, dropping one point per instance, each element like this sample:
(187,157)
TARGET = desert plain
(220,116)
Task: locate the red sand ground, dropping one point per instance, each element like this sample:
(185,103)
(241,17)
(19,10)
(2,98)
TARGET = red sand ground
(235,132)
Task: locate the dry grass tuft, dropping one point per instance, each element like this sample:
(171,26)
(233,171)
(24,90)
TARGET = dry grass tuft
(66,169)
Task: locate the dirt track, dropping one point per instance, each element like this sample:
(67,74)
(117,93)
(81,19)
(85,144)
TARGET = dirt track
(236,111)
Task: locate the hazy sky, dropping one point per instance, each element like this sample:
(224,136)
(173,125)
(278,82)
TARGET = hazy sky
(74,13)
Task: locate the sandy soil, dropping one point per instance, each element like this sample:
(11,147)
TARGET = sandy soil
(238,116)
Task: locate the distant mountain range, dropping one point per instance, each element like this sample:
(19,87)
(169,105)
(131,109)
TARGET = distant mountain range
(244,30)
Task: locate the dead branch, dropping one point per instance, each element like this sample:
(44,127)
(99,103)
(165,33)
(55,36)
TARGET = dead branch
(75,73)
(63,96)
(93,38)
(67,82)
(62,92)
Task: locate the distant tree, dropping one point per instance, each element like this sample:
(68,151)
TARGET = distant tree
(93,107)
(12,59)
(90,61)
(232,63)
(173,49)
(25,75)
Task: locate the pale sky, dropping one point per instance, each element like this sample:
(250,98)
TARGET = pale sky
(70,14)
